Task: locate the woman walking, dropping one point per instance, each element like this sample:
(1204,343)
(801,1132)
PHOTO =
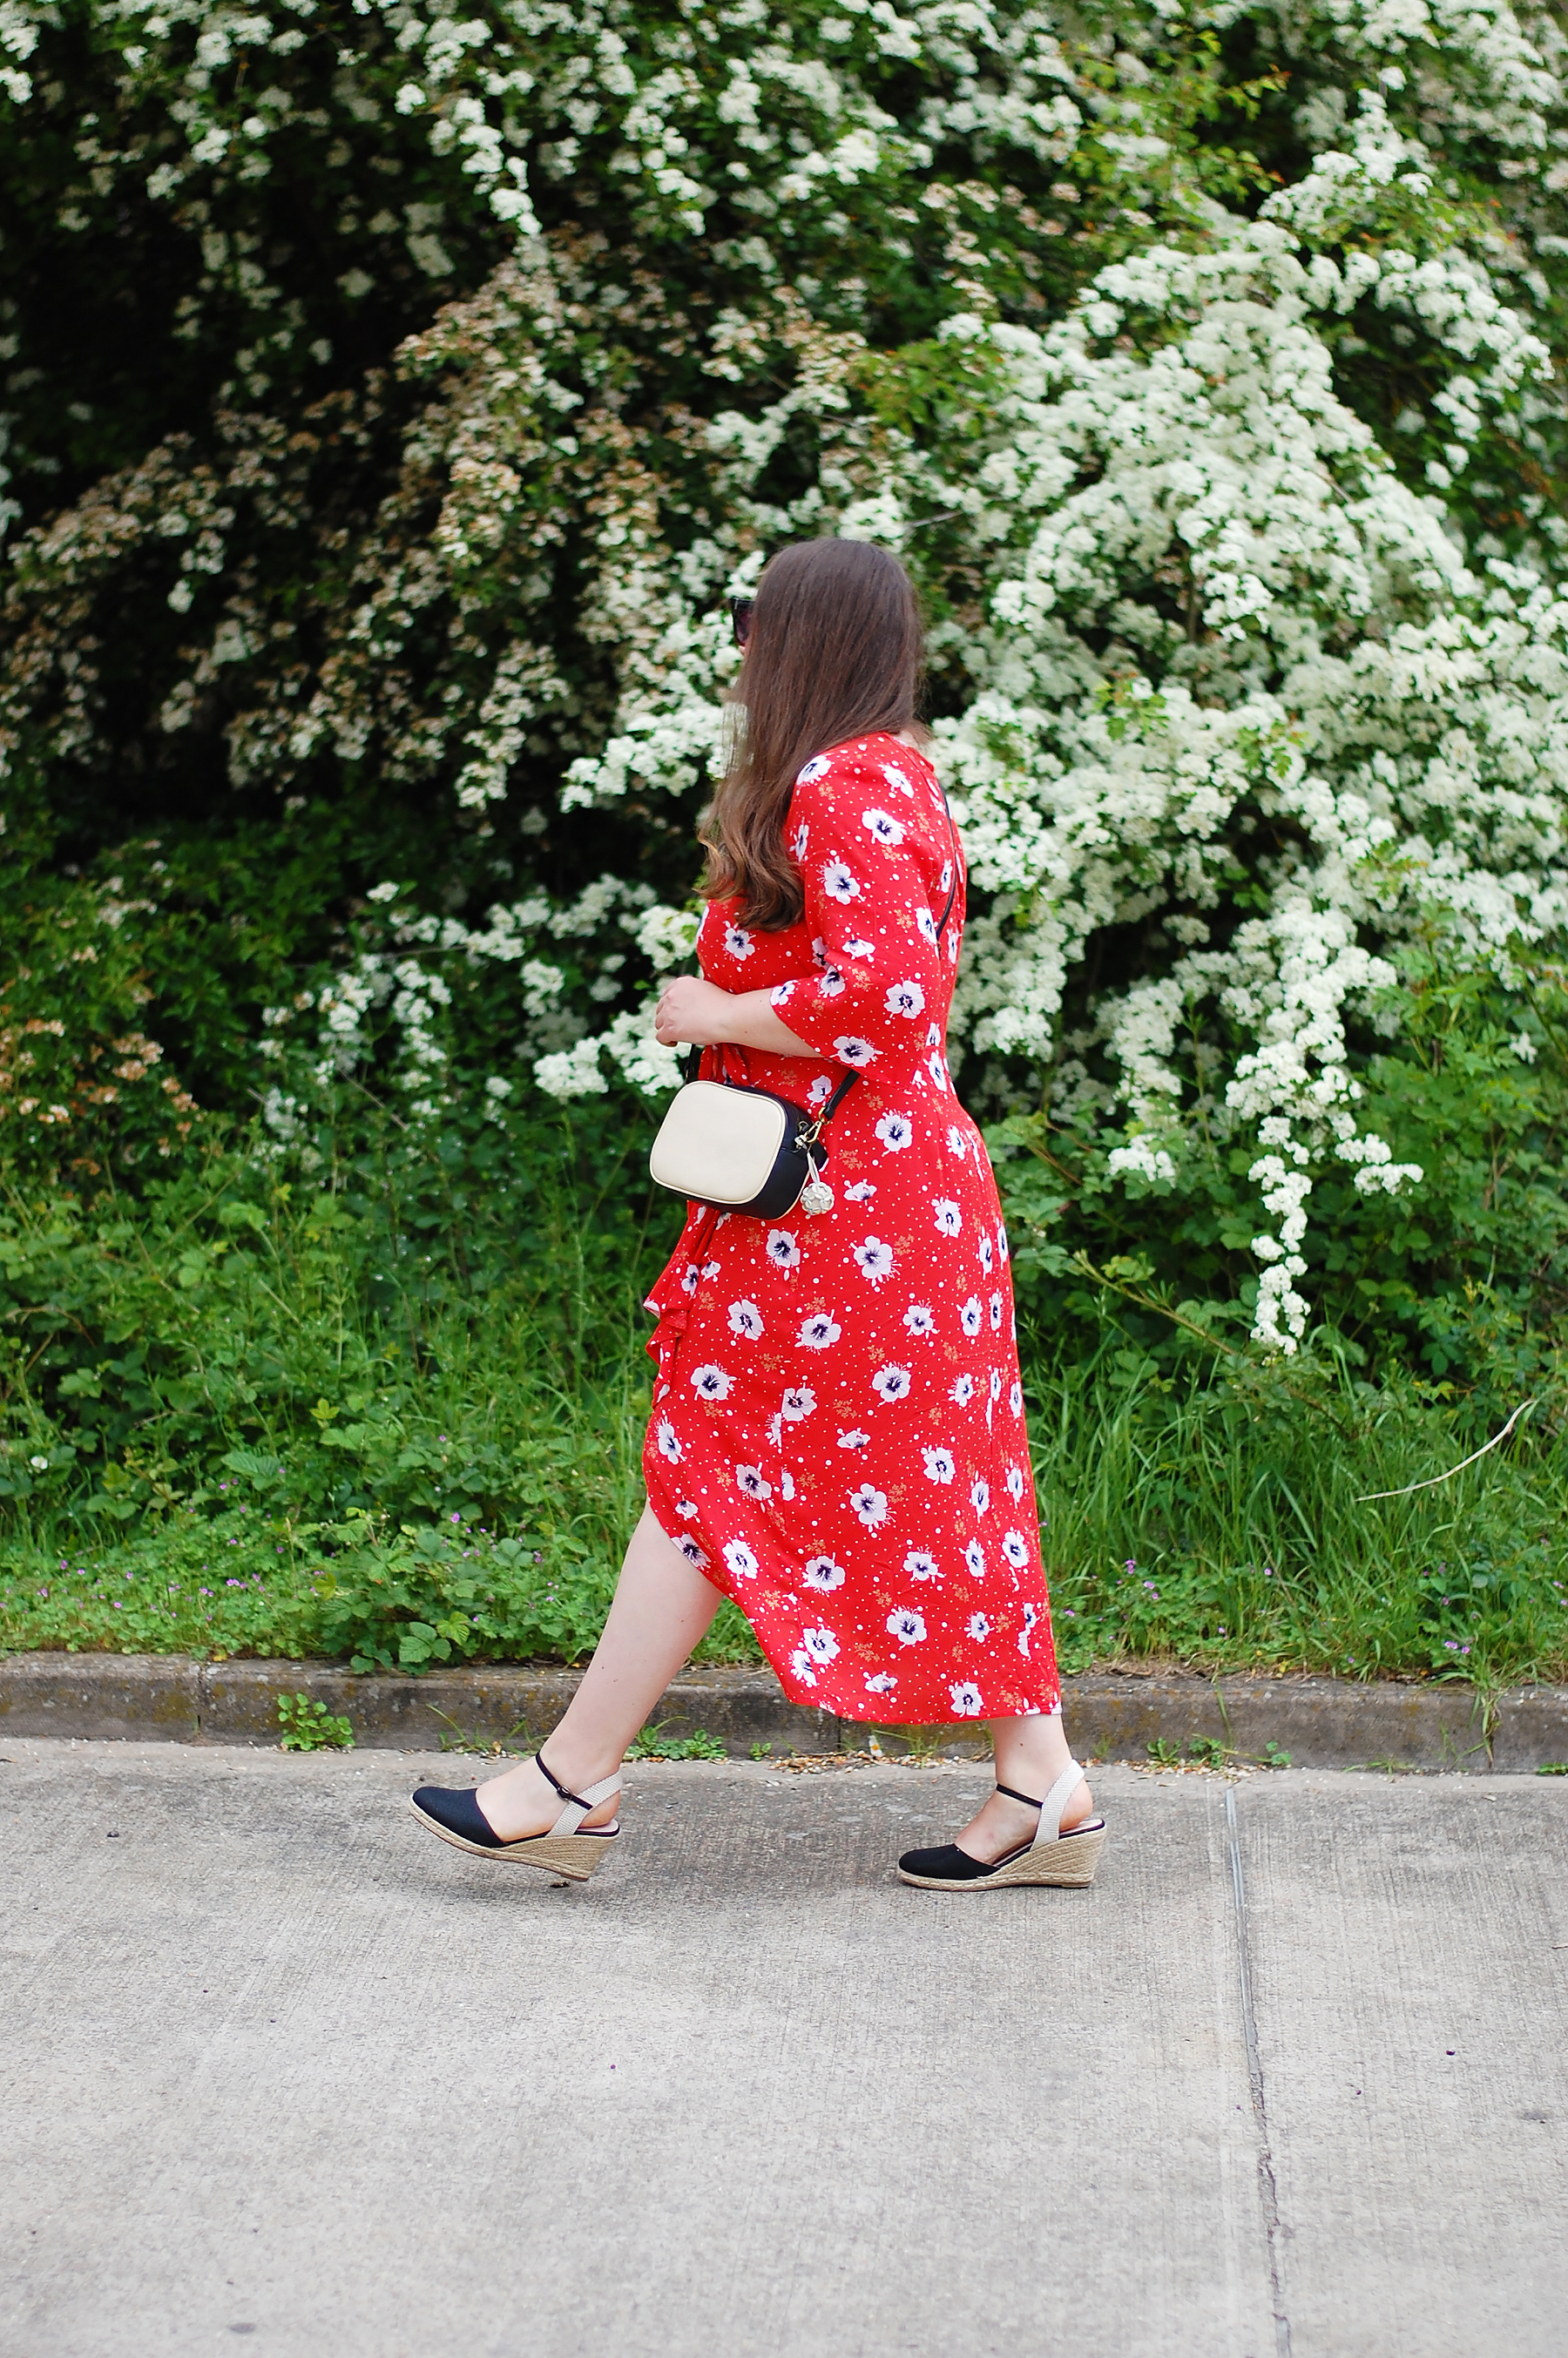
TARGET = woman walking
(836,1439)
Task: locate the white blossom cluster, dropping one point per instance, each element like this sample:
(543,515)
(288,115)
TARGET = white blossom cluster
(1221,634)
(1230,661)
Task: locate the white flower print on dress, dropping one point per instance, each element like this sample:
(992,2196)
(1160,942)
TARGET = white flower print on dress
(996,1307)
(824,1547)
(692,1552)
(895,777)
(668,1441)
(820,1644)
(871,1504)
(818,767)
(1031,1616)
(738,941)
(1015,1397)
(838,881)
(712,1383)
(856,1053)
(1002,1247)
(882,828)
(939,1465)
(874,1259)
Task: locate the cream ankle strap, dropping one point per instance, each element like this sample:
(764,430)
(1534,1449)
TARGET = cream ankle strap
(1055,1802)
(577,1806)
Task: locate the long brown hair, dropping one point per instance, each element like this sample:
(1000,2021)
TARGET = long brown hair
(835,651)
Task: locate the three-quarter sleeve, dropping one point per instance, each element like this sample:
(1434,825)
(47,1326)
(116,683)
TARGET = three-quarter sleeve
(874,852)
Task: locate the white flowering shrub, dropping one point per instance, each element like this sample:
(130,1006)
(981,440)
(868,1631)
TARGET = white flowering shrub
(1203,367)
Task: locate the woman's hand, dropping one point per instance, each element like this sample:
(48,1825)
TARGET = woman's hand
(690,1009)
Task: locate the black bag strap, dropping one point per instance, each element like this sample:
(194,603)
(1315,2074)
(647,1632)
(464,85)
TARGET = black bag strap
(952,840)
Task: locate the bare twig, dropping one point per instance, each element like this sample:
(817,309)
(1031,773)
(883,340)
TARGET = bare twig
(1432,1483)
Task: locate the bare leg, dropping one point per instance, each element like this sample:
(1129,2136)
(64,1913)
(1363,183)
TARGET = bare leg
(1030,1753)
(662,1606)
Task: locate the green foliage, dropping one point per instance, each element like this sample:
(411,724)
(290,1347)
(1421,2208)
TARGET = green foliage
(1461,1280)
(396,393)
(654,1744)
(1235,1522)
(310,1726)
(397,1421)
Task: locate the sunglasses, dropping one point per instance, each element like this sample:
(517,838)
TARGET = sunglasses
(740,611)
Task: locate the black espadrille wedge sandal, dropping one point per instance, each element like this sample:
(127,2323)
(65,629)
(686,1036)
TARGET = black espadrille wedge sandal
(566,1849)
(1051,1857)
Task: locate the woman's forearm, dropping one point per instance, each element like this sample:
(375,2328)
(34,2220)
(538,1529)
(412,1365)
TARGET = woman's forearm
(752,1023)
(691,1009)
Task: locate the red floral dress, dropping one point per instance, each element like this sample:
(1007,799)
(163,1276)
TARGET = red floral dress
(837,1437)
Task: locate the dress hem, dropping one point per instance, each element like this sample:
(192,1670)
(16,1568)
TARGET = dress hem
(805,1701)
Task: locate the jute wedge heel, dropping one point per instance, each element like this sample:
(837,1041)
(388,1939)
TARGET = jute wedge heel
(565,1849)
(1052,1858)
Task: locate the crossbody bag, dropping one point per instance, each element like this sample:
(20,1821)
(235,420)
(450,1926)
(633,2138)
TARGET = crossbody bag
(750,1150)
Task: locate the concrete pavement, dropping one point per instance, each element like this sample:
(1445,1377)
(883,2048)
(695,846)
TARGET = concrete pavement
(276,2069)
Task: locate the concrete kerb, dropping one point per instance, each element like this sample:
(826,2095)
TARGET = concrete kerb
(1318,1722)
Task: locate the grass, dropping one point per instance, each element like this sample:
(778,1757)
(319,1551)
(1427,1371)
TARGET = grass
(1231,1527)
(241,1424)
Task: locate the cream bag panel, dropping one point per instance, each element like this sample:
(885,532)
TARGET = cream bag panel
(718,1145)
